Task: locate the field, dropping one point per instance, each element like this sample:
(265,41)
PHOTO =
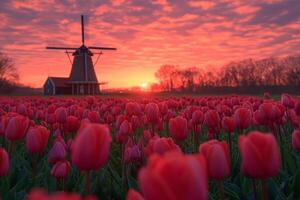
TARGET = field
(171,147)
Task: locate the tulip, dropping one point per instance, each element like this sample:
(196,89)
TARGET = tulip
(36,139)
(94,117)
(218,161)
(160,146)
(178,128)
(197,120)
(133,195)
(4,162)
(197,117)
(174,176)
(3,124)
(90,148)
(124,132)
(217,157)
(152,113)
(72,124)
(287,100)
(61,115)
(22,110)
(242,118)
(17,127)
(228,126)
(260,156)
(61,169)
(212,121)
(132,154)
(135,123)
(296,139)
(58,150)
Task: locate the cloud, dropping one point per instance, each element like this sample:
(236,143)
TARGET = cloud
(147,34)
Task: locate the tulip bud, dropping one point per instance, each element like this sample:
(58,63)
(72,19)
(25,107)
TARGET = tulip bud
(260,155)
(36,139)
(217,158)
(296,139)
(17,127)
(61,169)
(4,162)
(178,128)
(90,148)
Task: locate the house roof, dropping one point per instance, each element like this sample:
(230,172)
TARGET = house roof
(60,81)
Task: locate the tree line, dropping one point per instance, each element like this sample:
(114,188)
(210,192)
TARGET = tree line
(238,74)
(8,74)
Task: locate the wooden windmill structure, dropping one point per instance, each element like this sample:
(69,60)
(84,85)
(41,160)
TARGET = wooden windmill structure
(82,79)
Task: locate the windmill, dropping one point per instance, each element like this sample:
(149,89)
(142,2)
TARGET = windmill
(82,79)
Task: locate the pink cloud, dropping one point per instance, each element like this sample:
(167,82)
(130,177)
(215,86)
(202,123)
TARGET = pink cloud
(146,34)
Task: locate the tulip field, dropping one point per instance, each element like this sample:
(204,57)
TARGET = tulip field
(167,148)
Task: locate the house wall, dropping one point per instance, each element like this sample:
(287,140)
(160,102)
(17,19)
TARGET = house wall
(48,88)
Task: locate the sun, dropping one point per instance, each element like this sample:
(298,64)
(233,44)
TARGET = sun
(144,85)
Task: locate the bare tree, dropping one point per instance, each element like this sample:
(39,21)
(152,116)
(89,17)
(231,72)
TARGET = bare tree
(165,75)
(8,71)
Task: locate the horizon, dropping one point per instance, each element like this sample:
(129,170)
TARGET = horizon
(203,34)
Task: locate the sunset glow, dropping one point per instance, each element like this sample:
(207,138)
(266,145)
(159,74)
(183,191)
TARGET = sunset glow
(147,34)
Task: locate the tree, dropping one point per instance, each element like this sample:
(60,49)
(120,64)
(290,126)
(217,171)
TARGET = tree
(165,76)
(8,72)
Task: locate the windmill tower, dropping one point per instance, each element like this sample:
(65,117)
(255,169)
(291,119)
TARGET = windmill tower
(82,79)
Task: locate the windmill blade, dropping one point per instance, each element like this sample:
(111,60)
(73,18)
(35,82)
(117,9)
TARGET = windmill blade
(82,29)
(103,48)
(62,48)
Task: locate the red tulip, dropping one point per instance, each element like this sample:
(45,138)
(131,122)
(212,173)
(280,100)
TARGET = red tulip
(36,139)
(120,119)
(297,107)
(58,150)
(17,127)
(152,113)
(132,154)
(72,124)
(94,117)
(124,132)
(4,162)
(3,124)
(260,155)
(174,176)
(296,139)
(228,124)
(212,121)
(160,146)
(40,115)
(242,118)
(217,158)
(287,100)
(163,108)
(61,169)
(133,195)
(178,128)
(61,115)
(22,110)
(135,123)
(90,148)
(197,117)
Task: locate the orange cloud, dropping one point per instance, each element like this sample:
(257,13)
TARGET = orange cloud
(147,34)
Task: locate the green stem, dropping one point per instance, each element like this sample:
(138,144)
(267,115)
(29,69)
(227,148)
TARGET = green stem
(221,189)
(87,183)
(254,189)
(264,190)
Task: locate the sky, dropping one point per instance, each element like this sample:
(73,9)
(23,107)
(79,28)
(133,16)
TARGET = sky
(147,34)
